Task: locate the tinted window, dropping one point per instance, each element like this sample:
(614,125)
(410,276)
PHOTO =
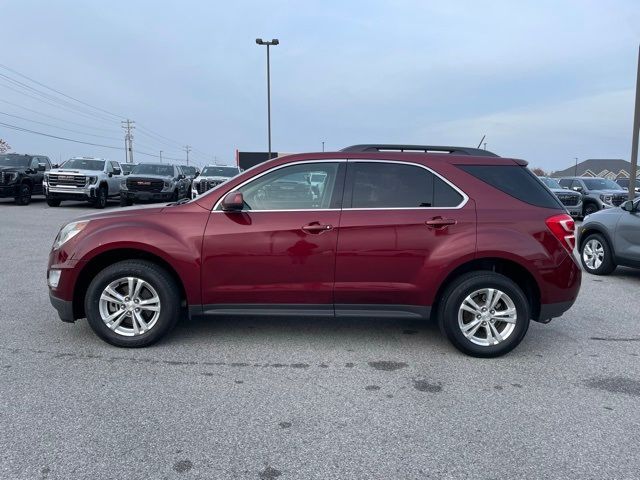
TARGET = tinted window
(34,163)
(519,182)
(565,182)
(13,160)
(153,169)
(397,185)
(290,188)
(550,182)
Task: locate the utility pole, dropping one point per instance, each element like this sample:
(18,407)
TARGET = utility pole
(273,42)
(160,156)
(187,148)
(128,125)
(575,169)
(323,146)
(634,138)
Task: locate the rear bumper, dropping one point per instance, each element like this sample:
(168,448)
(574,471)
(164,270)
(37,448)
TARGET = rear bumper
(64,308)
(549,311)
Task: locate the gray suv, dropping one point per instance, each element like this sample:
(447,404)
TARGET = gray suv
(88,179)
(611,237)
(571,200)
(597,193)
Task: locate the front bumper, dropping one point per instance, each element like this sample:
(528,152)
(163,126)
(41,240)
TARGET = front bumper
(64,308)
(147,196)
(8,191)
(57,193)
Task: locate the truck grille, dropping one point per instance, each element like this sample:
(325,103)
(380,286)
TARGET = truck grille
(205,185)
(569,200)
(618,199)
(145,185)
(4,177)
(60,180)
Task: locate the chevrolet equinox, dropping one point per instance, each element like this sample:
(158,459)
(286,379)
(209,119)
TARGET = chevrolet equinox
(461,235)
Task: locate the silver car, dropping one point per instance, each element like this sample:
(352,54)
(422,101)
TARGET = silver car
(611,237)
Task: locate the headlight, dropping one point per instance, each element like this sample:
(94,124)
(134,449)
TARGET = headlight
(67,232)
(93,180)
(167,183)
(11,176)
(605,198)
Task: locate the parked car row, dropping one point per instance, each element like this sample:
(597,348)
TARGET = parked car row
(96,180)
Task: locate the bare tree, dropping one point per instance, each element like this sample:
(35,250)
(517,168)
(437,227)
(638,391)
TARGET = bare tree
(4,146)
(539,172)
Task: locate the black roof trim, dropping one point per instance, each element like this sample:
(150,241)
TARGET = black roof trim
(367,147)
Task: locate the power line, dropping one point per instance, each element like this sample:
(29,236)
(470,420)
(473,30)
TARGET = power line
(55,126)
(21,129)
(59,92)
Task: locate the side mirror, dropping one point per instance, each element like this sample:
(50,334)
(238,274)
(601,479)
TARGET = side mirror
(42,167)
(117,171)
(233,202)
(629,206)
(55,165)
(578,189)
(181,176)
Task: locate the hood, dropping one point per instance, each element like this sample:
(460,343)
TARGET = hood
(610,192)
(564,191)
(207,177)
(12,169)
(143,210)
(69,171)
(142,176)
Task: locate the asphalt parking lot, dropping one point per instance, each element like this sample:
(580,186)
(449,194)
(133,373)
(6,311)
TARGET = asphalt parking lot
(304,399)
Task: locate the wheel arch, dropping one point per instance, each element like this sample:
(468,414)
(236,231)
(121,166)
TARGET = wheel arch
(595,228)
(509,268)
(109,257)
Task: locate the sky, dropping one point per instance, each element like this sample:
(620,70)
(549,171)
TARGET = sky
(546,81)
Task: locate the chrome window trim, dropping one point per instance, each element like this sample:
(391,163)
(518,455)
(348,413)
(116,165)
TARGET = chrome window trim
(465,197)
(277,167)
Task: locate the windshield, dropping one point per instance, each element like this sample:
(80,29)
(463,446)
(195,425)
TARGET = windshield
(83,164)
(14,161)
(151,169)
(601,184)
(189,171)
(551,183)
(219,172)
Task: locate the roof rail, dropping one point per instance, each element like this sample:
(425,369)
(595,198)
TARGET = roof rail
(366,147)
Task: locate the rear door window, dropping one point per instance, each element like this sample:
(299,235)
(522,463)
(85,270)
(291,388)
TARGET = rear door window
(516,181)
(385,185)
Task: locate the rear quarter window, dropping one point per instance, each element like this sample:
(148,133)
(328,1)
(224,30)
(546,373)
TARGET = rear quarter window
(516,181)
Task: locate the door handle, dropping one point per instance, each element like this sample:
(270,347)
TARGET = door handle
(438,223)
(316,228)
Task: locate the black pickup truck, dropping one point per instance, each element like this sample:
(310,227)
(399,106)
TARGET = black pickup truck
(21,176)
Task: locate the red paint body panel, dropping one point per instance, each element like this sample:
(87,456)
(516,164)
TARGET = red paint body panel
(266,257)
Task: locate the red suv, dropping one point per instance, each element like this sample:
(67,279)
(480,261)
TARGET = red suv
(459,234)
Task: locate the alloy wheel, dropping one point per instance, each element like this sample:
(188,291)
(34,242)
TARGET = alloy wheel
(593,254)
(129,306)
(487,317)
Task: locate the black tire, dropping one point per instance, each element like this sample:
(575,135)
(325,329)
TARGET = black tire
(53,202)
(176,196)
(24,194)
(608,264)
(590,208)
(464,286)
(125,202)
(158,278)
(101,197)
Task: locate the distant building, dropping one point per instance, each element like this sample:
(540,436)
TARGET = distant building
(611,168)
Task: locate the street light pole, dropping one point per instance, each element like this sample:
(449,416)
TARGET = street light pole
(633,181)
(274,42)
(160,156)
(575,169)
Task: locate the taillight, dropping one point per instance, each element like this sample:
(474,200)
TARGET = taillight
(564,229)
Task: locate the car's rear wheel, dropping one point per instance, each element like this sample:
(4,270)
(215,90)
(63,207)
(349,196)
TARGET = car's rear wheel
(24,194)
(596,255)
(125,202)
(484,314)
(53,202)
(132,303)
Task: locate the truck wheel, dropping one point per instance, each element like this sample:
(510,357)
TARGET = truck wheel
(53,202)
(24,194)
(132,303)
(590,208)
(101,197)
(596,255)
(484,314)
(125,202)
(176,196)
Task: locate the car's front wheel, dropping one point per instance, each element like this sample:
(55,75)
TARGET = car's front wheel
(484,314)
(101,198)
(132,303)
(53,202)
(590,208)
(596,255)
(23,196)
